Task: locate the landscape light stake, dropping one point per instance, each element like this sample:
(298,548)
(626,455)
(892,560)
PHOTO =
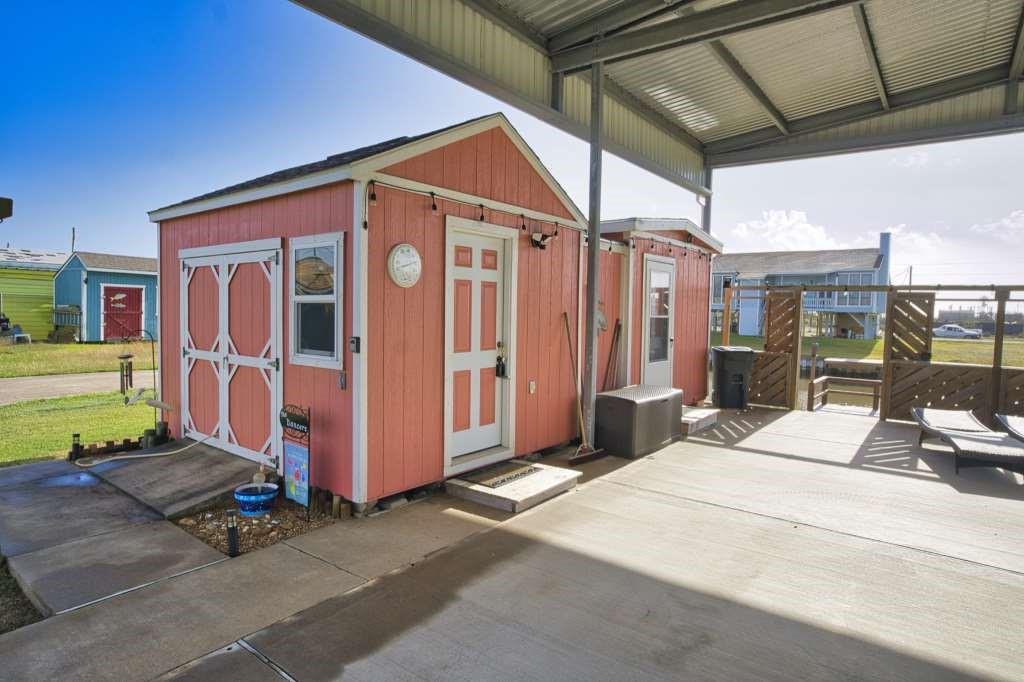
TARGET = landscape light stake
(232,533)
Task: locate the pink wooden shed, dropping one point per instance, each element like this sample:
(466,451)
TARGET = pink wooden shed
(410,294)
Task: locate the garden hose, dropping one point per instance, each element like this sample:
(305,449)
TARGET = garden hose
(86,462)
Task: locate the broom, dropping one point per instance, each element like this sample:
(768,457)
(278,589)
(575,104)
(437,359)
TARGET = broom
(584,453)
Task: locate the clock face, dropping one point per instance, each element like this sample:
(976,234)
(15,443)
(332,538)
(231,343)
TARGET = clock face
(405,265)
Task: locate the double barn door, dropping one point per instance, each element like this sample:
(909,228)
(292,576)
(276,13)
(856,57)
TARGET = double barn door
(231,350)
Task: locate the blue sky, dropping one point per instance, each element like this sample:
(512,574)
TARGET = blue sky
(114,109)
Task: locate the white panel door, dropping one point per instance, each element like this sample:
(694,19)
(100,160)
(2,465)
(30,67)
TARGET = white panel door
(476,291)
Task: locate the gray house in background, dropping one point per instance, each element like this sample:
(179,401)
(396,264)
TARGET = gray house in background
(841,314)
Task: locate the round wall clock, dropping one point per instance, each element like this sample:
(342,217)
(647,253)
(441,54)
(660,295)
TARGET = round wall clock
(404,265)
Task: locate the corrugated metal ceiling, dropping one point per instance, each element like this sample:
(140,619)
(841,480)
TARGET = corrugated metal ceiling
(823,66)
(689,85)
(920,43)
(814,69)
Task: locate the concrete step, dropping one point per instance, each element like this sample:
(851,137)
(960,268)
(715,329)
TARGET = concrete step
(518,495)
(697,419)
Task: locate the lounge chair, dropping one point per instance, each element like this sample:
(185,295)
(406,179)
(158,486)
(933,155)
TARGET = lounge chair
(1013,425)
(937,423)
(986,450)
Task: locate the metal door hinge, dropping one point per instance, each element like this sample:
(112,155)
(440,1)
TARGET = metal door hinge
(276,364)
(184,352)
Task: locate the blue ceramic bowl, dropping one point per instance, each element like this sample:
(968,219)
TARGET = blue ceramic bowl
(255,499)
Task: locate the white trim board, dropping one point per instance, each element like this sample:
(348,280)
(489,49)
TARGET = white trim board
(103,287)
(310,181)
(507,448)
(238,247)
(645,322)
(360,330)
(444,192)
(337,240)
(671,242)
(364,168)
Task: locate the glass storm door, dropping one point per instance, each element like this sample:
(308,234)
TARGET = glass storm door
(474,338)
(659,304)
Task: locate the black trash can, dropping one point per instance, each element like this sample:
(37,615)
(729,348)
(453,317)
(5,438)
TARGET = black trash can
(731,367)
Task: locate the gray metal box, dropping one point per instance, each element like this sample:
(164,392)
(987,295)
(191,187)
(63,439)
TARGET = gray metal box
(637,420)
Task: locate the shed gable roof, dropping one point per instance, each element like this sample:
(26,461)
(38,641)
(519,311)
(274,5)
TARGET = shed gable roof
(110,261)
(798,262)
(360,164)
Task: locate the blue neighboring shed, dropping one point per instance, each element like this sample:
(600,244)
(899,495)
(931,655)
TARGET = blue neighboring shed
(109,289)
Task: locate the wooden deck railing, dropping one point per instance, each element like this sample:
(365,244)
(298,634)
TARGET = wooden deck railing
(818,390)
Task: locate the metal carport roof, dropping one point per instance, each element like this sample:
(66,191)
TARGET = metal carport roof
(696,84)
(680,87)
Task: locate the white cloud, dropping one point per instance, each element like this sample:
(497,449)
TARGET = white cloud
(780,230)
(915,159)
(1009,230)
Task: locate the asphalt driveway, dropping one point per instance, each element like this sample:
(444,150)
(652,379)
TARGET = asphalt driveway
(16,389)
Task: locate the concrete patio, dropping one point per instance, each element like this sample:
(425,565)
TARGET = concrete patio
(778,546)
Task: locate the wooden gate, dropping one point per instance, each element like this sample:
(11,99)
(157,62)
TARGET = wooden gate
(907,354)
(777,368)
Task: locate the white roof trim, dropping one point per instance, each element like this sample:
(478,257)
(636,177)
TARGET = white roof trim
(634,225)
(70,258)
(668,240)
(364,168)
(244,196)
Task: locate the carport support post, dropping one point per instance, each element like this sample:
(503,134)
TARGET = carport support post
(593,251)
(997,351)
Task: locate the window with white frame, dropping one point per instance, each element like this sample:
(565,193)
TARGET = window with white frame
(316,300)
(854,298)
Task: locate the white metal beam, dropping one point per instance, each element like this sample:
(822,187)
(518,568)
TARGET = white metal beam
(594,252)
(609,20)
(838,117)
(697,27)
(829,147)
(733,66)
(871,53)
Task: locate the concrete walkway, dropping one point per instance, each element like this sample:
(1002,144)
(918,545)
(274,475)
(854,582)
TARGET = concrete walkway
(775,548)
(16,389)
(159,626)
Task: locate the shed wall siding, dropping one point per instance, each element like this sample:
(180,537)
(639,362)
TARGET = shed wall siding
(28,299)
(488,165)
(316,211)
(94,299)
(610,299)
(692,291)
(405,336)
(67,285)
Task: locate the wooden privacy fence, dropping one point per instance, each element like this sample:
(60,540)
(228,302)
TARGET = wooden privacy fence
(909,377)
(777,368)
(953,386)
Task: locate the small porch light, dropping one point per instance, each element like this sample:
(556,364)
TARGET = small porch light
(373,194)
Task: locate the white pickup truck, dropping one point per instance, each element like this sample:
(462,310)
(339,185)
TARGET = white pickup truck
(955,331)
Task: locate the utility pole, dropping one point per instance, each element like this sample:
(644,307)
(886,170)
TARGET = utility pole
(910,276)
(72,240)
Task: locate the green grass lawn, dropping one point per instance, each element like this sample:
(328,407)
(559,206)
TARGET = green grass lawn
(41,429)
(33,359)
(943,350)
